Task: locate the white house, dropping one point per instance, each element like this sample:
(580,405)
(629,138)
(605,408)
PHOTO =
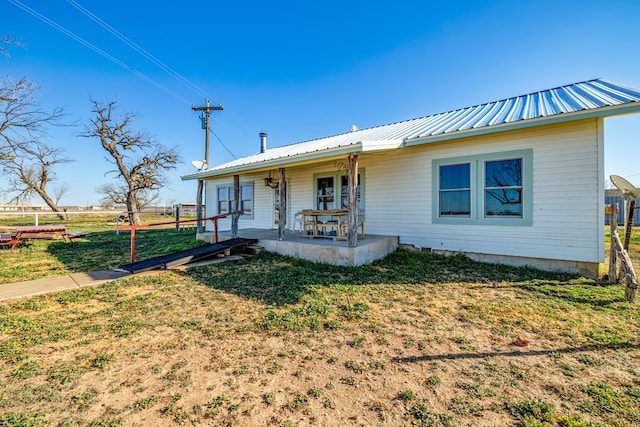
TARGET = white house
(517,181)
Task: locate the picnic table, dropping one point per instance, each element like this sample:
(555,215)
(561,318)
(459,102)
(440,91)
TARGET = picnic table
(35,232)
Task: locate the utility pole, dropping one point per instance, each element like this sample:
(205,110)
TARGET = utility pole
(204,117)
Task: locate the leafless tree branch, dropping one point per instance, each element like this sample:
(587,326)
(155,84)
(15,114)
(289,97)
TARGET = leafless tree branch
(140,163)
(25,158)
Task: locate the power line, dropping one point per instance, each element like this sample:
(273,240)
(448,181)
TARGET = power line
(137,48)
(222,143)
(95,48)
(115,60)
(151,58)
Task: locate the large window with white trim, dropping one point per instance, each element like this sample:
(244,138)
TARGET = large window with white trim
(493,188)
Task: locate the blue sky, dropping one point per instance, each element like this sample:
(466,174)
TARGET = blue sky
(304,70)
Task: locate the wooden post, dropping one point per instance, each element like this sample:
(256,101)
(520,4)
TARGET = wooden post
(618,251)
(177,217)
(613,254)
(133,244)
(282,204)
(199,206)
(352,197)
(235,210)
(626,270)
(628,226)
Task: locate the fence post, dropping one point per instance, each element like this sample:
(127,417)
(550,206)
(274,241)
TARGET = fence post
(133,244)
(613,256)
(177,218)
(36,224)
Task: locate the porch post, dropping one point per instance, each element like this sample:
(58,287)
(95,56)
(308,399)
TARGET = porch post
(282,205)
(352,174)
(199,215)
(235,214)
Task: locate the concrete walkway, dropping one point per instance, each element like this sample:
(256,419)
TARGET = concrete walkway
(80,280)
(60,283)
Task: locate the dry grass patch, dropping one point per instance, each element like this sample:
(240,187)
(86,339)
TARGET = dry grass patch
(275,341)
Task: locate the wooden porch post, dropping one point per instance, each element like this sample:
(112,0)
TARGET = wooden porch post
(235,210)
(282,204)
(352,174)
(199,215)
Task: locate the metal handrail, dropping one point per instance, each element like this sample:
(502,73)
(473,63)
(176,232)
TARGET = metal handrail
(133,228)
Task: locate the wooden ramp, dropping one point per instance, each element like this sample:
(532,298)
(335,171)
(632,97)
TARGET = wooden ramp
(185,257)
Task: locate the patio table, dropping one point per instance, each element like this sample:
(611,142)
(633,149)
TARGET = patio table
(313,226)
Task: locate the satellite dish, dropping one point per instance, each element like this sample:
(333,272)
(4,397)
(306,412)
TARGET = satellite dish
(627,188)
(199,164)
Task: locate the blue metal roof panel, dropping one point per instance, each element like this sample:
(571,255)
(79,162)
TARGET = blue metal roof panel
(572,98)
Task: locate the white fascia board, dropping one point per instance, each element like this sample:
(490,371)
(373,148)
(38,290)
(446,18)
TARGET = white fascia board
(277,162)
(384,144)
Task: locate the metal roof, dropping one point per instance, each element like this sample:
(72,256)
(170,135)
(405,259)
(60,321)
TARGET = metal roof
(592,98)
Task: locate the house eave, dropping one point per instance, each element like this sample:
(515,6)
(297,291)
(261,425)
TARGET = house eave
(614,110)
(278,162)
(390,144)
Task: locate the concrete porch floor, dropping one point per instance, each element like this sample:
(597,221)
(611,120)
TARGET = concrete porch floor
(324,250)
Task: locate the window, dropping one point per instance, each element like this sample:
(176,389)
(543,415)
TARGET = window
(325,199)
(246,199)
(486,189)
(225,199)
(455,190)
(503,188)
(344,192)
(331,190)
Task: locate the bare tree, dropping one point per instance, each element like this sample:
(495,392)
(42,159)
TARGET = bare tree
(114,194)
(25,158)
(59,192)
(6,39)
(139,162)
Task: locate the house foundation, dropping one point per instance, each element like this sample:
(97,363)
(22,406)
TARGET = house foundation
(323,250)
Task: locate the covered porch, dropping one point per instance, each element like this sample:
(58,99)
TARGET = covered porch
(327,251)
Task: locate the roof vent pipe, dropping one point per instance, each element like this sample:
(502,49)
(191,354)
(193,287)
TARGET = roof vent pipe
(263,142)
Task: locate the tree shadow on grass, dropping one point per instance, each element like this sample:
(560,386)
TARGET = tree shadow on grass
(278,280)
(108,249)
(95,251)
(607,296)
(517,353)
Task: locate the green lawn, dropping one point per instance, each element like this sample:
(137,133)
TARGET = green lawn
(414,339)
(102,248)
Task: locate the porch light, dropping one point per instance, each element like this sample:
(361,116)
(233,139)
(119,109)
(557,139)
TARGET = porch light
(268,182)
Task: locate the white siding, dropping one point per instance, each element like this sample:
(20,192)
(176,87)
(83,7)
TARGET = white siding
(568,200)
(567,205)
(262,203)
